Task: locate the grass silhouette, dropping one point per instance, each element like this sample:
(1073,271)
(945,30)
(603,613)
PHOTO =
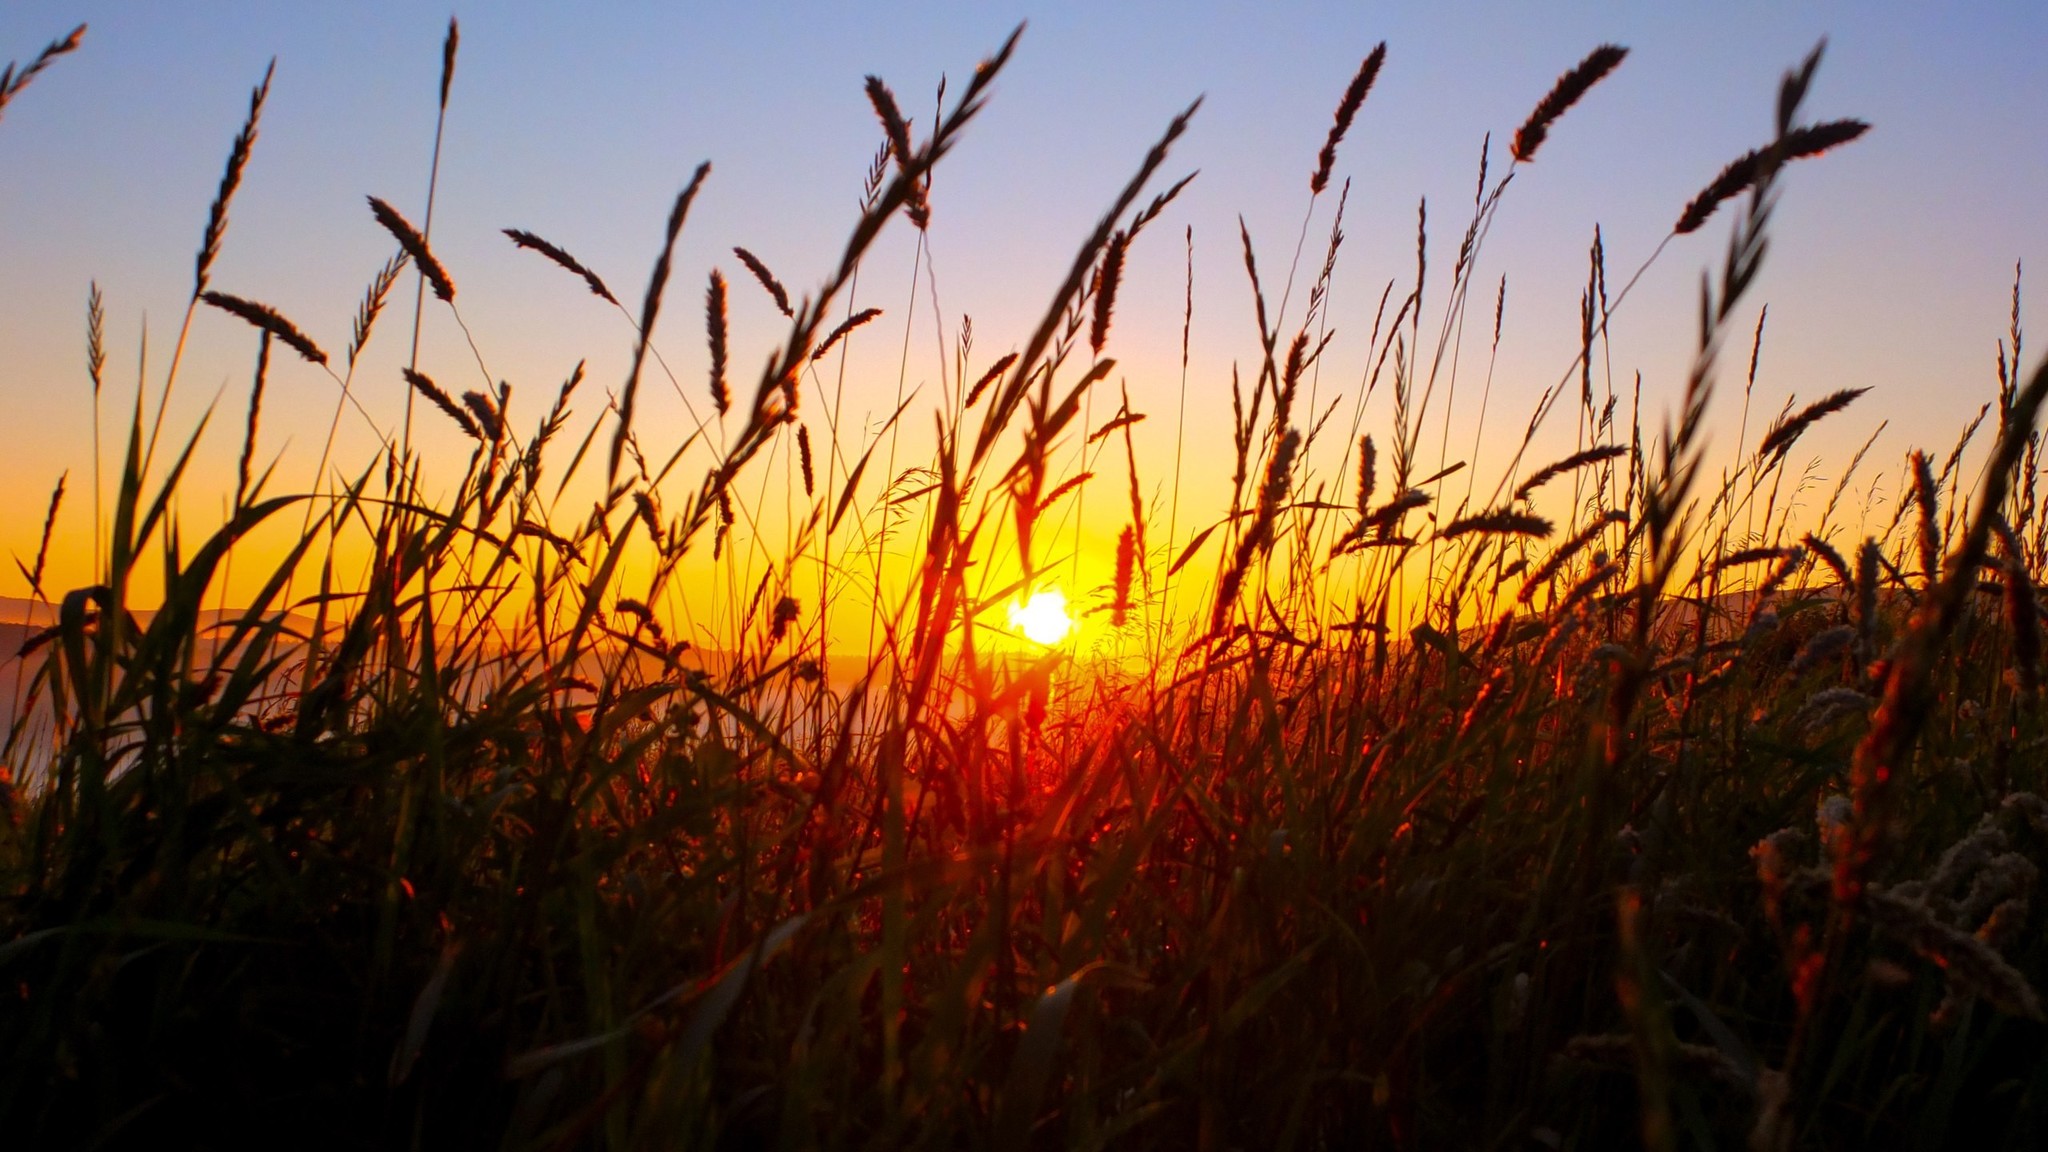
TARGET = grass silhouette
(1660,813)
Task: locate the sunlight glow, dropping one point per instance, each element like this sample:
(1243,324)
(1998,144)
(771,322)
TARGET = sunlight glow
(1043,618)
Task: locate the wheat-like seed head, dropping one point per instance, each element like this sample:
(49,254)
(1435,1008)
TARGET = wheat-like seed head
(1126,559)
(373,304)
(767,279)
(425,386)
(489,421)
(267,318)
(530,241)
(247,457)
(994,373)
(1106,284)
(1503,522)
(230,180)
(1347,110)
(845,326)
(1569,464)
(415,245)
(95,336)
(1743,172)
(1565,93)
(12,82)
(448,60)
(714,327)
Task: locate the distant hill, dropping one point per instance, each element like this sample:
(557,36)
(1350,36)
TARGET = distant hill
(14,610)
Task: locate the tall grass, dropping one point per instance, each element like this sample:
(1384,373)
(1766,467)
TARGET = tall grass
(1659,815)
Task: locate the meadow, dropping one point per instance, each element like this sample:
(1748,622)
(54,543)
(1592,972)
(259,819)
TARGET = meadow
(1622,797)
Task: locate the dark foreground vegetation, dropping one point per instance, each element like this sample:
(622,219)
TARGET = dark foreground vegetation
(1658,815)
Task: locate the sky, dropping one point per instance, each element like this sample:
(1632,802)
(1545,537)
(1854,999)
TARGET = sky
(1891,263)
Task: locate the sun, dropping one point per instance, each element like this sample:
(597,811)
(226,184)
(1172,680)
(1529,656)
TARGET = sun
(1043,618)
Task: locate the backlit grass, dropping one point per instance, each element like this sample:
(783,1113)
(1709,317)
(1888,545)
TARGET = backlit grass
(1572,803)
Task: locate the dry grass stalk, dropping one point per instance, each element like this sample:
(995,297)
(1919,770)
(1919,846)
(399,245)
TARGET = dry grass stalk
(415,246)
(1790,561)
(372,305)
(1833,559)
(1347,110)
(95,337)
(1908,692)
(1742,173)
(1279,476)
(897,129)
(1786,431)
(1126,563)
(1367,467)
(1929,535)
(1744,556)
(448,60)
(994,373)
(1595,274)
(845,326)
(645,511)
(488,419)
(1053,497)
(34,575)
(1565,93)
(1503,522)
(1233,755)
(558,415)
(1599,574)
(714,327)
(1319,293)
(2022,608)
(247,458)
(267,318)
(642,616)
(650,309)
(1569,464)
(1105,291)
(893,124)
(1867,558)
(1406,500)
(725,521)
(767,279)
(561,258)
(426,387)
(1565,552)
(1122,420)
(12,82)
(1004,404)
(230,180)
(784,614)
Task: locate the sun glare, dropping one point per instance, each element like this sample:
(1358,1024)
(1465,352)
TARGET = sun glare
(1043,618)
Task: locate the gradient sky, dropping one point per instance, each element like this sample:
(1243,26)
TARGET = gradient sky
(1891,263)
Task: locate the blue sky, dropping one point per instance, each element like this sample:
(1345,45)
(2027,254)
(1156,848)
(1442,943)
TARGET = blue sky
(1891,263)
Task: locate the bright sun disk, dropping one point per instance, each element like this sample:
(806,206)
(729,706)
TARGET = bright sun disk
(1043,618)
